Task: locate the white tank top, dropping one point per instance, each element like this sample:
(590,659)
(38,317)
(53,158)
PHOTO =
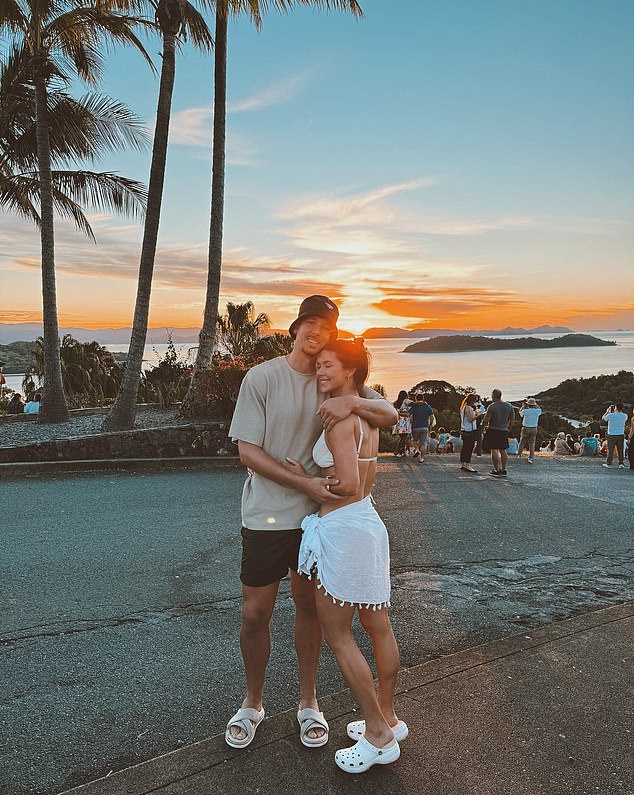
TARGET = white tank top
(322,455)
(467,425)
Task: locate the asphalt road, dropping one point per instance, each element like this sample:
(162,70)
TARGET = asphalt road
(121,602)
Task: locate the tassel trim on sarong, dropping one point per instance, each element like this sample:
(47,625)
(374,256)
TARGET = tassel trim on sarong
(342,603)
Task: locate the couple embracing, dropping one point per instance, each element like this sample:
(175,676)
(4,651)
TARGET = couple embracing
(306,507)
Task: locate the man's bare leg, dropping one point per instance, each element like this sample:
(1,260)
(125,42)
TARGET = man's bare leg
(307,643)
(255,643)
(504,457)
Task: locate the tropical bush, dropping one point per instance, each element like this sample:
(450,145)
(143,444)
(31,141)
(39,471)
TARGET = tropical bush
(167,381)
(221,383)
(90,373)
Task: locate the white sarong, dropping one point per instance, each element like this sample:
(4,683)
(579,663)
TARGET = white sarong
(350,550)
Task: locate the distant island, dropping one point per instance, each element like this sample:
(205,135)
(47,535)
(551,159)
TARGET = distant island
(458,342)
(401,333)
(14,332)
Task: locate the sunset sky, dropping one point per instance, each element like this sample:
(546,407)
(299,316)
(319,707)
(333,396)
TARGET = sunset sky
(454,164)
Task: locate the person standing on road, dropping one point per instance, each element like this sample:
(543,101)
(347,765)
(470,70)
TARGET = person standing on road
(422,413)
(345,547)
(530,414)
(278,416)
(616,419)
(481,411)
(403,427)
(498,421)
(3,380)
(469,415)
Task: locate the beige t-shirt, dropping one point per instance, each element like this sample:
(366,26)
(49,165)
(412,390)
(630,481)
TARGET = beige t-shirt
(276,410)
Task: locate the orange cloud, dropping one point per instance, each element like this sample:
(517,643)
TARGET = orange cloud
(20,316)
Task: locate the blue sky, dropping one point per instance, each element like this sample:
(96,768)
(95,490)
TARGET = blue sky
(454,164)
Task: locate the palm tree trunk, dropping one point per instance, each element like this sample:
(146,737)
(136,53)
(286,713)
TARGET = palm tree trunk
(121,415)
(53,408)
(194,401)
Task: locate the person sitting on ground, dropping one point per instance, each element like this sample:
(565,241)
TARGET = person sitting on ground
(561,445)
(443,437)
(454,442)
(573,445)
(33,406)
(16,404)
(589,445)
(433,442)
(513,446)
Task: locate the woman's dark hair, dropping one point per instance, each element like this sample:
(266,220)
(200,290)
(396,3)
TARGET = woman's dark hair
(399,400)
(354,355)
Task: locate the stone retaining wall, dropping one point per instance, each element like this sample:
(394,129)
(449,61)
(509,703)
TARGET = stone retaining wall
(201,439)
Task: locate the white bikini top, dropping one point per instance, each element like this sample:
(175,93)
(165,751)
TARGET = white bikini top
(322,455)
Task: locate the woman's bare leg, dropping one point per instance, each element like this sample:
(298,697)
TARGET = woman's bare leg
(377,624)
(336,624)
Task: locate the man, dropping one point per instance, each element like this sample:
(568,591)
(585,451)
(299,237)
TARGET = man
(421,414)
(589,445)
(3,380)
(498,421)
(616,419)
(530,413)
(480,410)
(278,417)
(594,426)
(33,406)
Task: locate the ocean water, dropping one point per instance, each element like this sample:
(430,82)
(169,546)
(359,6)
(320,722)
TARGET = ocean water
(518,373)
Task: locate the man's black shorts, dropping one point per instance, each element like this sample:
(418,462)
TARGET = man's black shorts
(267,555)
(495,440)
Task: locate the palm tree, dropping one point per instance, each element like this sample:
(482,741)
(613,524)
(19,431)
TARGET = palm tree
(238,330)
(79,130)
(193,404)
(58,39)
(172,18)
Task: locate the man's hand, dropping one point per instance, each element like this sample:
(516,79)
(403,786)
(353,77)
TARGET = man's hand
(295,466)
(336,409)
(317,489)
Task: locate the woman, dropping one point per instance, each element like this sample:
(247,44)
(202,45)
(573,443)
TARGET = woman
(573,445)
(345,546)
(561,445)
(468,430)
(403,427)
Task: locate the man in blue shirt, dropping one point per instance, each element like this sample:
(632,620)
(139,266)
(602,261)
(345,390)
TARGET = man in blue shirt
(616,419)
(421,413)
(589,445)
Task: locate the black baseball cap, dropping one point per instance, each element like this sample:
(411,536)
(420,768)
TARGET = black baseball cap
(315,306)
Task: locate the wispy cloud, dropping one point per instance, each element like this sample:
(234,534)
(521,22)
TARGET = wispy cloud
(275,94)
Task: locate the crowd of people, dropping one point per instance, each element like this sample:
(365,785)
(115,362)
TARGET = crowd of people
(488,425)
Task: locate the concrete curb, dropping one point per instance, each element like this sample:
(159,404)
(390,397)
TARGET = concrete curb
(21,468)
(177,766)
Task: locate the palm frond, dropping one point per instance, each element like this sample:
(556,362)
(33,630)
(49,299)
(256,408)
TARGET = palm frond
(103,190)
(195,28)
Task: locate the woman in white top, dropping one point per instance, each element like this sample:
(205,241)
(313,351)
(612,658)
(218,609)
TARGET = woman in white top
(469,430)
(345,546)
